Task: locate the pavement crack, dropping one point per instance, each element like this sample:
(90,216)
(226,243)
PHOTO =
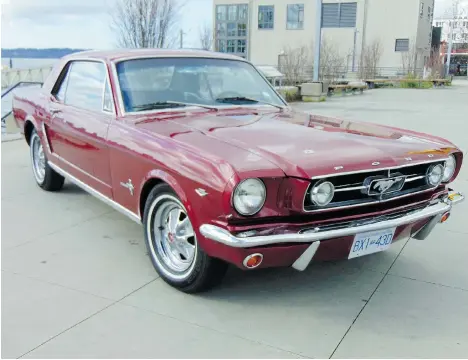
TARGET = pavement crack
(368,300)
(429,282)
(71,226)
(219,331)
(87,318)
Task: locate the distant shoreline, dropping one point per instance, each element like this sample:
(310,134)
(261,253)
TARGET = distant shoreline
(31,53)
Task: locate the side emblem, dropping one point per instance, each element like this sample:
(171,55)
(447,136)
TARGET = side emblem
(201,192)
(129,186)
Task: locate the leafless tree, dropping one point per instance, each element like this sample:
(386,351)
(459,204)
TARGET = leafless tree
(206,37)
(435,64)
(145,23)
(332,63)
(294,63)
(369,61)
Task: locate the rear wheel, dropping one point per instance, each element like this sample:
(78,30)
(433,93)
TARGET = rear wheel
(173,247)
(46,177)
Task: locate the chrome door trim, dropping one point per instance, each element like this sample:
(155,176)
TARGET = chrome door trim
(96,193)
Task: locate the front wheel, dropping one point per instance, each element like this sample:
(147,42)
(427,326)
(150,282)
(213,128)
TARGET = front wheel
(173,247)
(46,177)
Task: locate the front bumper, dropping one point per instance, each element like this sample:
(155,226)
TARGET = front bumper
(435,210)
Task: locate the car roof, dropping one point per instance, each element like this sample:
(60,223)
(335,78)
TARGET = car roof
(120,54)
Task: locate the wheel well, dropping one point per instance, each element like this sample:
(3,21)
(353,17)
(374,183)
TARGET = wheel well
(28,128)
(149,185)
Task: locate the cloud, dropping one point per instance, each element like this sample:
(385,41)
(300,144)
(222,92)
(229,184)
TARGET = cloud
(82,23)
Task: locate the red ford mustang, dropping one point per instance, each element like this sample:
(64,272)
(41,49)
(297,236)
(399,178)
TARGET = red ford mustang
(200,149)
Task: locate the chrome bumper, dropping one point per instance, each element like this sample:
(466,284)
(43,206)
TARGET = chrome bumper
(223,236)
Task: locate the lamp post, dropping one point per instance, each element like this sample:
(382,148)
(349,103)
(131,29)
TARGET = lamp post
(318,38)
(354,47)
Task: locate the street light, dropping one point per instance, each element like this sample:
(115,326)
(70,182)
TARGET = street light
(318,39)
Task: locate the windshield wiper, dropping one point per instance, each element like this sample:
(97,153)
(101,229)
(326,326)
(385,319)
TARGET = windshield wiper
(235,99)
(158,105)
(169,104)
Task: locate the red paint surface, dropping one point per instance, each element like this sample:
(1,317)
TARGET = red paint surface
(213,150)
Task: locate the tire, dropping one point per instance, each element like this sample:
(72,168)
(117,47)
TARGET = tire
(46,177)
(173,247)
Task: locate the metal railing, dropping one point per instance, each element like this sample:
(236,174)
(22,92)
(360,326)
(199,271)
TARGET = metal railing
(7,99)
(300,74)
(13,76)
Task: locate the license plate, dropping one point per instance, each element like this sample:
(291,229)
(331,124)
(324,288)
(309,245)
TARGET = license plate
(371,242)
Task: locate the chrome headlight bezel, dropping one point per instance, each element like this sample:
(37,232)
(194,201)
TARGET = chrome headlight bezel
(236,196)
(315,190)
(449,171)
(431,170)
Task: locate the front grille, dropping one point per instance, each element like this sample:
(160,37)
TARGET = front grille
(354,189)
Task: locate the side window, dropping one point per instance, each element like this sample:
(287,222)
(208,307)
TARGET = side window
(107,103)
(85,87)
(60,93)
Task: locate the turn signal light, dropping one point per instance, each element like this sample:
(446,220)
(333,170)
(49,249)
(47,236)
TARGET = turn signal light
(445,217)
(252,261)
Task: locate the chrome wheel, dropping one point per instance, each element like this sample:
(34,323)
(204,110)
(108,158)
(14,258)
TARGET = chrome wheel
(38,158)
(173,244)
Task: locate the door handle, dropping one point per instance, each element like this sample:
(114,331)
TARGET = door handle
(54,111)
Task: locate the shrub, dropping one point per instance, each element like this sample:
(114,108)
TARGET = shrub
(412,82)
(291,95)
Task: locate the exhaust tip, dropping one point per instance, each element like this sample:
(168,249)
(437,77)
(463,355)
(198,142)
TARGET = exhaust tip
(252,261)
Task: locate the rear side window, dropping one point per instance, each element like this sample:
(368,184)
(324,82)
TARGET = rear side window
(107,103)
(85,81)
(60,94)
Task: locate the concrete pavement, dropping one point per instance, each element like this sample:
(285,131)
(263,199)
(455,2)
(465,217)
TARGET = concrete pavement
(76,281)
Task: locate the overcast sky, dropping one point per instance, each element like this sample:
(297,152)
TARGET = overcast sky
(85,23)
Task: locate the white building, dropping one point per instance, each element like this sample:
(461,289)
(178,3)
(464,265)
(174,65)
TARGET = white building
(261,30)
(460,29)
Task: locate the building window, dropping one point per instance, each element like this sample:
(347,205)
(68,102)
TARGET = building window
(231,46)
(221,12)
(243,12)
(429,13)
(421,10)
(241,46)
(242,30)
(339,15)
(295,17)
(221,30)
(231,29)
(221,46)
(266,17)
(402,45)
(232,12)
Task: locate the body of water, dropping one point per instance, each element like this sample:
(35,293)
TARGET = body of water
(19,63)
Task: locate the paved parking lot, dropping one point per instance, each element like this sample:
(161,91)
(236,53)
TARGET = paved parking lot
(76,281)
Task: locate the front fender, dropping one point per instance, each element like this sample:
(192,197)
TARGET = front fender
(202,207)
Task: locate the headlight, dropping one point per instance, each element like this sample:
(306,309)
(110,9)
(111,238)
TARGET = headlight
(249,196)
(434,175)
(450,166)
(322,193)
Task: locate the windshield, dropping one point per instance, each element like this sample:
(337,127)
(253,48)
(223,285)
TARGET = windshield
(156,83)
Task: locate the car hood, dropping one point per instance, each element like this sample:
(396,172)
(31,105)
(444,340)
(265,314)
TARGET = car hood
(305,146)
